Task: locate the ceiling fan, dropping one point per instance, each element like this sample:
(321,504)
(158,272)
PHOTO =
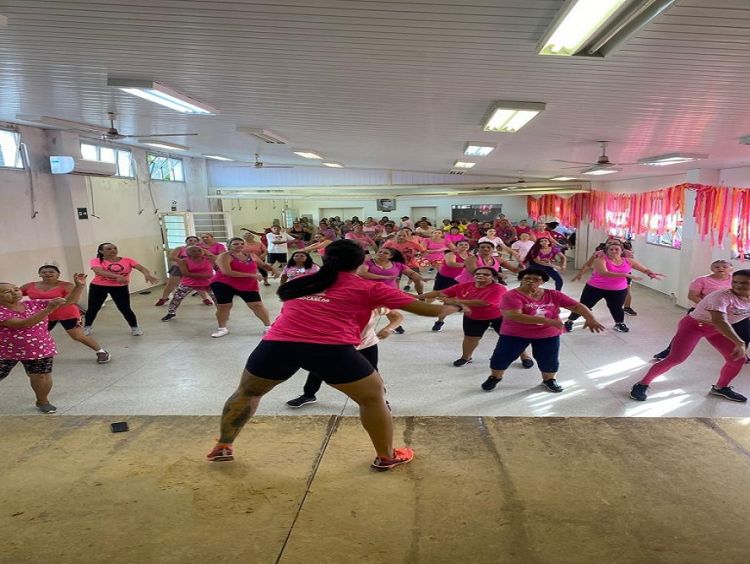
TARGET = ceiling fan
(601,163)
(104,133)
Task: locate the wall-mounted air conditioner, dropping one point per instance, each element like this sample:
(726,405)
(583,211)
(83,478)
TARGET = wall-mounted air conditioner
(72,165)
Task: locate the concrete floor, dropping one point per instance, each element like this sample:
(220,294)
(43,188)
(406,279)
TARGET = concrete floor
(517,475)
(482,490)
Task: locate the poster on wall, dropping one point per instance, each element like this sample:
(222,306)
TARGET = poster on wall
(386,205)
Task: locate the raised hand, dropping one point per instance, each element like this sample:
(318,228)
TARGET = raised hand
(55,303)
(79,279)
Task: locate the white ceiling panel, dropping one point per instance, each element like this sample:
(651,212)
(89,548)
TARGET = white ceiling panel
(387,85)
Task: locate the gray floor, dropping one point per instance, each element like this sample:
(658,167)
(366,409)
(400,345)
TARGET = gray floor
(177,369)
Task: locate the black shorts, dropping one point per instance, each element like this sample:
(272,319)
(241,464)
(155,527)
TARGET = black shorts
(35,366)
(224,293)
(477,327)
(273,258)
(442,282)
(334,364)
(174,271)
(67,324)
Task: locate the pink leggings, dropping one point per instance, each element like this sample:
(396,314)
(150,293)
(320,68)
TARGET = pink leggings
(689,332)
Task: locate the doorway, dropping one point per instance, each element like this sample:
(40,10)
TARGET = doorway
(343,213)
(430,212)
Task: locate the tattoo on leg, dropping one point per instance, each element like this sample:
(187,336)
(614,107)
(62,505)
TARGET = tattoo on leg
(237,412)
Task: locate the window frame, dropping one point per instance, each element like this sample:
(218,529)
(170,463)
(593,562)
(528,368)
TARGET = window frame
(170,160)
(117,150)
(17,135)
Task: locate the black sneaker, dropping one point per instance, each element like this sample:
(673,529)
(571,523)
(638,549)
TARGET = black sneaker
(407,288)
(461,361)
(727,393)
(552,386)
(400,330)
(527,363)
(438,325)
(661,355)
(168,317)
(489,384)
(300,401)
(638,393)
(621,327)
(568,326)
(630,311)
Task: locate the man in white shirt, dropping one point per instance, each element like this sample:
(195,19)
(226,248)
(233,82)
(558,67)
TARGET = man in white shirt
(278,245)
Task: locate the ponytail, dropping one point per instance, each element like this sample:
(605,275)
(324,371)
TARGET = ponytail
(341,256)
(100,254)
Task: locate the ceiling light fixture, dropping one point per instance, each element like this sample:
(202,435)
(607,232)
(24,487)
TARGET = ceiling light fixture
(509,117)
(161,94)
(563,178)
(308,154)
(672,159)
(479,149)
(163,145)
(333,164)
(600,171)
(218,158)
(463,164)
(265,135)
(597,27)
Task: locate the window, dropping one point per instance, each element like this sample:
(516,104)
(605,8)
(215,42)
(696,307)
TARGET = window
(165,168)
(10,156)
(121,157)
(482,212)
(671,238)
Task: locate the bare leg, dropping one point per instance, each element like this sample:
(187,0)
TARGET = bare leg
(373,411)
(525,354)
(171,284)
(260,312)
(469,346)
(241,405)
(41,384)
(222,313)
(628,299)
(548,375)
(77,335)
(497,374)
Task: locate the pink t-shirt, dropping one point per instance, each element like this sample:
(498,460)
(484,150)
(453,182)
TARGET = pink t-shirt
(452,271)
(241,283)
(491,262)
(704,285)
(214,248)
(293,272)
(362,239)
(203,266)
(344,309)
(547,306)
(435,250)
(611,282)
(395,270)
(64,312)
(492,294)
(735,308)
(123,267)
(26,343)
(449,237)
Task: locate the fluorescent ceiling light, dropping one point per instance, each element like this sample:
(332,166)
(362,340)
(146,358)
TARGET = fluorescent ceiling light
(563,178)
(463,164)
(597,27)
(308,154)
(161,94)
(332,164)
(265,135)
(479,149)
(672,159)
(511,116)
(218,157)
(163,145)
(600,171)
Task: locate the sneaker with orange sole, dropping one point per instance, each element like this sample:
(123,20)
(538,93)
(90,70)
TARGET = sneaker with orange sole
(220,453)
(402,455)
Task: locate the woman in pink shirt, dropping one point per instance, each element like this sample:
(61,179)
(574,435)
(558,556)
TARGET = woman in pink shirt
(358,235)
(545,256)
(211,245)
(609,282)
(196,271)
(24,337)
(712,318)
(719,279)
(454,236)
(387,267)
(338,299)
(301,264)
(112,279)
(434,250)
(531,316)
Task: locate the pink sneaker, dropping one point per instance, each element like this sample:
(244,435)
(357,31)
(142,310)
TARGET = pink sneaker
(220,453)
(402,455)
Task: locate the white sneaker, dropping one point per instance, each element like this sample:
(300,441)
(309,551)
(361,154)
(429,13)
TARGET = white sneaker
(136,331)
(220,332)
(87,330)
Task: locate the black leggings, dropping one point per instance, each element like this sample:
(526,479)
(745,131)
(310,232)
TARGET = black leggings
(615,301)
(119,294)
(313,382)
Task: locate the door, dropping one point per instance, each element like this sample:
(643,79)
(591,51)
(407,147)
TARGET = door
(430,212)
(343,213)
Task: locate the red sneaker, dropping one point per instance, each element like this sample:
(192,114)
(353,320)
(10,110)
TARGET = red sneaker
(220,453)
(207,302)
(400,456)
(161,301)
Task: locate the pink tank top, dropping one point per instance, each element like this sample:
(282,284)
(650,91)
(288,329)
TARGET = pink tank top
(242,284)
(203,266)
(452,271)
(64,312)
(611,283)
(466,276)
